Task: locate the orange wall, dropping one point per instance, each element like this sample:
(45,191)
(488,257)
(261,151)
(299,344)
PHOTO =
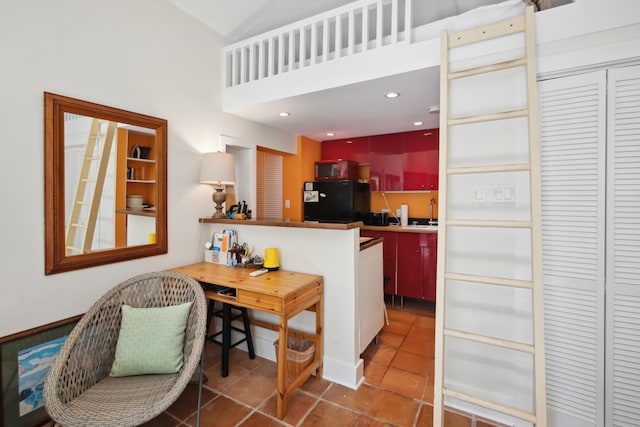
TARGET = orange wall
(296,169)
(418,202)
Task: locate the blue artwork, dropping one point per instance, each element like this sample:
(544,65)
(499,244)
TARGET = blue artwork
(33,366)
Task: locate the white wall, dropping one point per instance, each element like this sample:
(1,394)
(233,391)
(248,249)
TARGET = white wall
(145,56)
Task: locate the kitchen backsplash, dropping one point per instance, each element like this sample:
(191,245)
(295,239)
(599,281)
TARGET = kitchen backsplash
(418,202)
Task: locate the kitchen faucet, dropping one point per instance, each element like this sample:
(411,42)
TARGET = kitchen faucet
(431,203)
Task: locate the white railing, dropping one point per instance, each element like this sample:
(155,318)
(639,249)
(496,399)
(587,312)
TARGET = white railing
(342,32)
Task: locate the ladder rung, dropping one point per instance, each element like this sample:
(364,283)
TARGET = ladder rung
(83,202)
(488,223)
(488,32)
(498,342)
(489,169)
(78,225)
(73,248)
(488,68)
(88,180)
(488,117)
(499,281)
(489,404)
(92,158)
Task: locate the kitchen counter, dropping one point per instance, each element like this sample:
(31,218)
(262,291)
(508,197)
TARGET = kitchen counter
(367,242)
(323,225)
(399,229)
(281,223)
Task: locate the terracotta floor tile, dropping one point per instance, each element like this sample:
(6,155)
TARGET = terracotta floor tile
(425,419)
(260,420)
(315,386)
(392,408)
(222,412)
(186,404)
(328,415)
(220,383)
(374,372)
(365,421)
(452,419)
(298,405)
(404,383)
(383,354)
(241,358)
(390,339)
(424,332)
(253,389)
(352,399)
(412,362)
(425,321)
(162,420)
(396,313)
(428,391)
(398,326)
(418,345)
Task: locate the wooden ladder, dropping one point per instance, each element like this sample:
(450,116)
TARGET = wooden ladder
(532,285)
(90,173)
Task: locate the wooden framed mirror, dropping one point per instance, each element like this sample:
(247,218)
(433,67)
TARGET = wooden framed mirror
(105,184)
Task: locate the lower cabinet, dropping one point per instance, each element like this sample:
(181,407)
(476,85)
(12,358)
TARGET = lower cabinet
(409,263)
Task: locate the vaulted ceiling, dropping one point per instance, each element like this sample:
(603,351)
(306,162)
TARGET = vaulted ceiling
(350,111)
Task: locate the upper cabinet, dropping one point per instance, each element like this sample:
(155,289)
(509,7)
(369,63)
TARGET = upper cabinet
(356,149)
(420,160)
(404,161)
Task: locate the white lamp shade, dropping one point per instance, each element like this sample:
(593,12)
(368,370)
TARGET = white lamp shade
(217,168)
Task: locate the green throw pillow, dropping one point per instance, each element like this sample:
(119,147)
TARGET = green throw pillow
(151,340)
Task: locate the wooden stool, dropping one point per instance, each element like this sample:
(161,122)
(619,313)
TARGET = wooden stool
(227,318)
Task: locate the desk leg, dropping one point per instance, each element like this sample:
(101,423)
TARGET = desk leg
(319,336)
(282,366)
(226,338)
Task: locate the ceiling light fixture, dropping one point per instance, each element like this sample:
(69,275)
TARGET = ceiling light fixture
(391,95)
(330,134)
(418,123)
(284,114)
(434,109)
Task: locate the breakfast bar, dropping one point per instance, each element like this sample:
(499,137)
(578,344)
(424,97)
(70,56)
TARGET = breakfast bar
(282,293)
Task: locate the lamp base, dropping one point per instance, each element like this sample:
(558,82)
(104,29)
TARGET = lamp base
(219,198)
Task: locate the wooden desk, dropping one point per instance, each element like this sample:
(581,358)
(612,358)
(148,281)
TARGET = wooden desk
(283,293)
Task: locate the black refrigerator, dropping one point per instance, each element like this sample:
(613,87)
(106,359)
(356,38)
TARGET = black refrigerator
(339,201)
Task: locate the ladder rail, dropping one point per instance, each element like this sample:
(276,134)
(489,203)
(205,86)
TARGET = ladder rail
(523,24)
(92,201)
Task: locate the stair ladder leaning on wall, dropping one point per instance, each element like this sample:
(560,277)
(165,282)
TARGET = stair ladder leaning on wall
(470,235)
(86,202)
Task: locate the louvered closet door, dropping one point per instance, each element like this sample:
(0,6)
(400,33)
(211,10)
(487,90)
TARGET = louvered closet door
(623,248)
(572,125)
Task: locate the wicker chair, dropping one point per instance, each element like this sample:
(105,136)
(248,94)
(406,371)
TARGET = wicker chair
(78,390)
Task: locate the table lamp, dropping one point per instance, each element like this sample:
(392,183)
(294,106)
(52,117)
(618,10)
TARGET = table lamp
(218,169)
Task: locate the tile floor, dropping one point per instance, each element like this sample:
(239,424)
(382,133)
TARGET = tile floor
(398,388)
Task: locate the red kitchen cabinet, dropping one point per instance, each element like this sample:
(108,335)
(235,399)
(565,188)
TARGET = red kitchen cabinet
(386,162)
(416,265)
(429,267)
(420,160)
(409,265)
(356,149)
(388,257)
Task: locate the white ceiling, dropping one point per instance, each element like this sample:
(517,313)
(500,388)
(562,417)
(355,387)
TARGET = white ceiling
(355,110)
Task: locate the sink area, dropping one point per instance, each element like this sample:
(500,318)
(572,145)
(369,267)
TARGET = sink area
(420,227)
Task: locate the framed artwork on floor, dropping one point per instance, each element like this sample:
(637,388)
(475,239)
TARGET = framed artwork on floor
(26,358)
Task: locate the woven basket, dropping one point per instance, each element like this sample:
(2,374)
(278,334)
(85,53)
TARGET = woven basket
(300,354)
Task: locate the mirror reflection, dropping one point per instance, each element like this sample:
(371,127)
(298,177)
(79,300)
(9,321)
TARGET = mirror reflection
(105,172)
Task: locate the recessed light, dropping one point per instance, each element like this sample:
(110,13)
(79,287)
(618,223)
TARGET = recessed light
(391,95)
(330,134)
(284,114)
(418,123)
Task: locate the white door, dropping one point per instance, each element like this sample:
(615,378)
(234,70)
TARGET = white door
(623,248)
(573,136)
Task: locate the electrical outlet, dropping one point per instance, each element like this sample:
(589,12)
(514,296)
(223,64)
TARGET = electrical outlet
(478,194)
(287,204)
